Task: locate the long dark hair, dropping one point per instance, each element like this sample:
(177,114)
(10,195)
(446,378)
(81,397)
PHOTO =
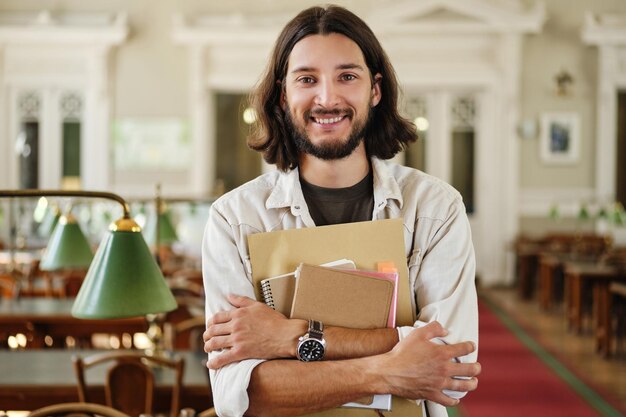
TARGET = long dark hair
(388,132)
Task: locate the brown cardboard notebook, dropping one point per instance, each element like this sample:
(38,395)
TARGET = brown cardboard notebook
(341,298)
(278,291)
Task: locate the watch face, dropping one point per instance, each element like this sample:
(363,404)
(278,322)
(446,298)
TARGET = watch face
(311,350)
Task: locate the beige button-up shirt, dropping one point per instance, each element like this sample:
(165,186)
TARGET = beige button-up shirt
(439,253)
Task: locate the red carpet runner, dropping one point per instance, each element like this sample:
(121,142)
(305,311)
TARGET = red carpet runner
(515,382)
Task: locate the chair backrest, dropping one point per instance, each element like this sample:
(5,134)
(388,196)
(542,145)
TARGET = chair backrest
(189,297)
(76,409)
(66,283)
(190,274)
(8,286)
(129,385)
(186,334)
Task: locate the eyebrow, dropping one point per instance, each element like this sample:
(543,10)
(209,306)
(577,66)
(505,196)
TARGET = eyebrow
(340,67)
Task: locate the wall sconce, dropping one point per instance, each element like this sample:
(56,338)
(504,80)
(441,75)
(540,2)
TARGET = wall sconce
(564,82)
(528,129)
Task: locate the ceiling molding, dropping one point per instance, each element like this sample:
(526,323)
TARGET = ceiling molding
(604,29)
(460,16)
(45,28)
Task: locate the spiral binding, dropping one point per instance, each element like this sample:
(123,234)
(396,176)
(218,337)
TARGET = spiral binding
(267,294)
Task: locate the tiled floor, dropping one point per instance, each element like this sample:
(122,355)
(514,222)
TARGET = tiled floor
(576,351)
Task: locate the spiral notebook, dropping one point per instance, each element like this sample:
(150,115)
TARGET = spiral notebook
(277,292)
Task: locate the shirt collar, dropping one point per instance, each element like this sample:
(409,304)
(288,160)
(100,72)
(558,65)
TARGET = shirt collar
(288,192)
(386,185)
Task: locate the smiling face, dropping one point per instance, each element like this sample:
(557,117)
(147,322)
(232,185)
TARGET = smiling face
(328,96)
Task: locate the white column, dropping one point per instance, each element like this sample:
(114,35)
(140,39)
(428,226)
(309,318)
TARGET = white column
(5,138)
(439,146)
(201,109)
(50,150)
(510,60)
(606,124)
(96,155)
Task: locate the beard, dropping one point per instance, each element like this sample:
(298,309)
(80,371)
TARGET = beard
(331,150)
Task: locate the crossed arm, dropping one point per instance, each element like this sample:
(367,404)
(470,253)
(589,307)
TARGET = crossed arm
(374,362)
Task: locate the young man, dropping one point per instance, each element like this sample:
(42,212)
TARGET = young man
(328,117)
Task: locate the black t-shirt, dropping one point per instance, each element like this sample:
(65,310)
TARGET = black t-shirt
(340,205)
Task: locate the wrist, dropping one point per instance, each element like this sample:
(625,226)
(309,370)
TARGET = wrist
(377,375)
(297,328)
(373,371)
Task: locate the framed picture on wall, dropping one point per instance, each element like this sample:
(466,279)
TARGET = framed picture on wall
(560,137)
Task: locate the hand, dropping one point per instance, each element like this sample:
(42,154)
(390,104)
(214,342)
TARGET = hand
(417,368)
(250,330)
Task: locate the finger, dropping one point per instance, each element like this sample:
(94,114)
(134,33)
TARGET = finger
(430,331)
(456,350)
(443,399)
(223,359)
(240,300)
(466,369)
(220,317)
(217,343)
(462,385)
(218,330)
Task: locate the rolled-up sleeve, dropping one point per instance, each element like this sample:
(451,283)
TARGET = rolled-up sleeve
(445,287)
(224,273)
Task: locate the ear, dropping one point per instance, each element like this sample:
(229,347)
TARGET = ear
(376,90)
(283,99)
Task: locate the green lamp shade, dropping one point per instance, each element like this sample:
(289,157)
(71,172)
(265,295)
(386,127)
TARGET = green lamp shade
(167,232)
(49,222)
(124,280)
(68,248)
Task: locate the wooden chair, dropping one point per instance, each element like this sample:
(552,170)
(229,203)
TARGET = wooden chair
(129,386)
(76,410)
(63,284)
(8,286)
(209,412)
(186,334)
(190,274)
(189,297)
(190,412)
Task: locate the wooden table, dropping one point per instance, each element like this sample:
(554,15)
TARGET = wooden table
(38,317)
(31,379)
(603,299)
(527,257)
(618,293)
(550,264)
(581,277)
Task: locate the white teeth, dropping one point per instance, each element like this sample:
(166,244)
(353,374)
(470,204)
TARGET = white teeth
(328,121)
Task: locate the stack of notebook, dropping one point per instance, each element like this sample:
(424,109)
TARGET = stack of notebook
(337,294)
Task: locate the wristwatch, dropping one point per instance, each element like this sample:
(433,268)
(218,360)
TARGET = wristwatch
(311,345)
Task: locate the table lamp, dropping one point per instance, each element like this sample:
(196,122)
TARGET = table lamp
(160,232)
(123,279)
(49,222)
(160,229)
(68,247)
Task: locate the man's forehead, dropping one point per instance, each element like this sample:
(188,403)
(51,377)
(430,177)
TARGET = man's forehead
(334,49)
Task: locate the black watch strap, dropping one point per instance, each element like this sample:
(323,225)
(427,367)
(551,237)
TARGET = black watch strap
(316,329)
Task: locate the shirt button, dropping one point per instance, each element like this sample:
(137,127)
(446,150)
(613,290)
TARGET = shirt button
(296,207)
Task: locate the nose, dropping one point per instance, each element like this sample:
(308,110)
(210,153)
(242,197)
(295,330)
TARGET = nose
(327,94)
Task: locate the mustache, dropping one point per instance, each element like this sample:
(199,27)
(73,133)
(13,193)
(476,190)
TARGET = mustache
(330,112)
